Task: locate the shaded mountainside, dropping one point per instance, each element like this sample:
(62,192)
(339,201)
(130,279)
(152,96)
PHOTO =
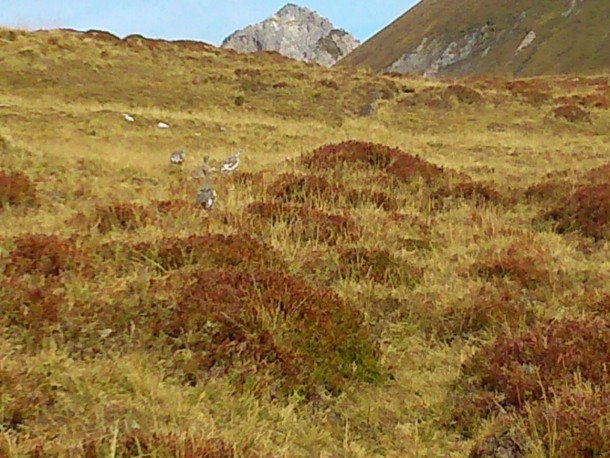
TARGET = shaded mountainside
(295,32)
(520,37)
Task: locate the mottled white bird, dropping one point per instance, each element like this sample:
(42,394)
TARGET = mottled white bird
(128,117)
(162,125)
(230,163)
(206,196)
(177,157)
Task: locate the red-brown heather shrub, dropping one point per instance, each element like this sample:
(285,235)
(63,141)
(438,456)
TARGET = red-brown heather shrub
(140,443)
(171,207)
(211,250)
(46,255)
(574,424)
(305,189)
(376,264)
(587,210)
(598,175)
(468,190)
(522,262)
(379,199)
(317,338)
(124,216)
(403,166)
(438,103)
(328,83)
(597,101)
(314,189)
(22,399)
(549,190)
(31,304)
(464,94)
(571,113)
(599,307)
(305,223)
(533,92)
(16,189)
(545,359)
(494,306)
(242,178)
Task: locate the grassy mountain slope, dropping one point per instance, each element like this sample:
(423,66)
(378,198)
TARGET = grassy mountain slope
(399,266)
(574,43)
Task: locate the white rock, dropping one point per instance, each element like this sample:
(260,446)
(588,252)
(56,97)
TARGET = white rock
(163,125)
(128,117)
(527,41)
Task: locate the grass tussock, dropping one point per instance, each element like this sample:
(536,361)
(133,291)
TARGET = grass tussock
(16,189)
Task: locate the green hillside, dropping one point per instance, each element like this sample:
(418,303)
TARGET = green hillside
(572,36)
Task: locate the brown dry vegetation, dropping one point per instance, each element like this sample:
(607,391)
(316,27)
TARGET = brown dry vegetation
(429,280)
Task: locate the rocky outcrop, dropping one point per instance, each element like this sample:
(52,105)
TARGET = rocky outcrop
(516,38)
(295,32)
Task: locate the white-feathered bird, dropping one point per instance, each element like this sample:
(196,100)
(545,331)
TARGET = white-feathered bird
(162,125)
(230,163)
(177,157)
(128,117)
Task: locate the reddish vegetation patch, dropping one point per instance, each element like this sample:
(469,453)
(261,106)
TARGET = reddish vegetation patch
(464,94)
(403,166)
(587,210)
(541,362)
(265,320)
(31,304)
(140,443)
(598,175)
(16,189)
(171,207)
(577,424)
(22,400)
(377,265)
(549,190)
(305,189)
(246,178)
(469,190)
(494,306)
(522,262)
(309,189)
(305,223)
(597,101)
(532,92)
(213,250)
(125,216)
(45,255)
(572,113)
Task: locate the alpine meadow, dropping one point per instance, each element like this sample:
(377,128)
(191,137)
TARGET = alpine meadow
(205,253)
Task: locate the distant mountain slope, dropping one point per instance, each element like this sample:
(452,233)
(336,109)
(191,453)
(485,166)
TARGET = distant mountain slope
(516,37)
(295,32)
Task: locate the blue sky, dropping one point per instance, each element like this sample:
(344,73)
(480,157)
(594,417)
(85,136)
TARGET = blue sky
(205,20)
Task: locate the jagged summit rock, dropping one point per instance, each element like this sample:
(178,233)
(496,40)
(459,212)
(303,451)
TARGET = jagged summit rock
(296,32)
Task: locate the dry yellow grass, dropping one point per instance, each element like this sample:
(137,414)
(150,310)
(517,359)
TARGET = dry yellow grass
(103,348)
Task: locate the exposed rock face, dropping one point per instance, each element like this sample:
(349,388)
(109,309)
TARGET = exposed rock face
(517,38)
(295,32)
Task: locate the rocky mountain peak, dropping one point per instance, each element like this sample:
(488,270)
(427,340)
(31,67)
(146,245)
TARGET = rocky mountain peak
(293,10)
(296,32)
